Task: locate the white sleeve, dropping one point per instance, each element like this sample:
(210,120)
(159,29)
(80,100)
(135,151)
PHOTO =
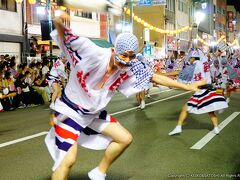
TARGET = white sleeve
(77,49)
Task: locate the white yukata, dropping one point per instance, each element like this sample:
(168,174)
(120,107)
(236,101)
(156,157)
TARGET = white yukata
(215,74)
(80,109)
(57,72)
(207,99)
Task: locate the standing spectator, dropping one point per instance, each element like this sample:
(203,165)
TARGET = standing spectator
(33,50)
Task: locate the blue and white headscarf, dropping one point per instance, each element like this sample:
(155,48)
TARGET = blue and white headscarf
(126,42)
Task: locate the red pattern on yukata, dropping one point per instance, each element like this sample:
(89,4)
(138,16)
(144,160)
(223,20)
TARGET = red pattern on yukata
(112,119)
(119,81)
(82,79)
(56,64)
(198,77)
(206,67)
(69,37)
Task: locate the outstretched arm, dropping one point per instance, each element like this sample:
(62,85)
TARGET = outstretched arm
(173,73)
(58,23)
(166,81)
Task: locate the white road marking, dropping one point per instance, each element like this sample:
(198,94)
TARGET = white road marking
(22,139)
(167,90)
(202,142)
(130,109)
(160,100)
(160,92)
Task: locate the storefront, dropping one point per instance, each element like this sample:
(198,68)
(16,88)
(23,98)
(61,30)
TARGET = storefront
(12,45)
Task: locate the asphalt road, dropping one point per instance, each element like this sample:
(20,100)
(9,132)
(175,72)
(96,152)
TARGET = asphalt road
(152,155)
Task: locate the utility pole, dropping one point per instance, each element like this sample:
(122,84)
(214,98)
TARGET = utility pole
(50,24)
(131,15)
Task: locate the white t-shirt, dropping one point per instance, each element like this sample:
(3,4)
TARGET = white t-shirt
(58,69)
(45,70)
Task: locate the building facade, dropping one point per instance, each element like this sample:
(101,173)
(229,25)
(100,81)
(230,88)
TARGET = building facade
(21,27)
(11,31)
(183,11)
(153,15)
(220,22)
(231,23)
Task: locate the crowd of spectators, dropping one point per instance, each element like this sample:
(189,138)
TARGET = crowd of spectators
(23,85)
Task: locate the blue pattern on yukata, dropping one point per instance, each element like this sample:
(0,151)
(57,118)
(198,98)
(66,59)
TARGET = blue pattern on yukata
(143,74)
(186,75)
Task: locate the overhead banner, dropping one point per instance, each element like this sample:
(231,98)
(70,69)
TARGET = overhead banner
(152,2)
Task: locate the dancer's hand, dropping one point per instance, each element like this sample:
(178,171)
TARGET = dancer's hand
(59,23)
(52,117)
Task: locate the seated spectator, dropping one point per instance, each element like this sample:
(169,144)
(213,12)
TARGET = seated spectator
(37,85)
(6,95)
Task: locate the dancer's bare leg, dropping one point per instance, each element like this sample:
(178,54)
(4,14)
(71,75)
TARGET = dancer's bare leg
(121,140)
(61,173)
(182,117)
(56,91)
(214,120)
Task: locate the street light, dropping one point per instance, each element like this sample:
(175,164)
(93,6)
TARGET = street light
(46,6)
(199,17)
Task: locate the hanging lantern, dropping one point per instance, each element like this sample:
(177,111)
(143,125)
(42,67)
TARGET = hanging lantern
(161,31)
(63,8)
(135,18)
(19,1)
(32,1)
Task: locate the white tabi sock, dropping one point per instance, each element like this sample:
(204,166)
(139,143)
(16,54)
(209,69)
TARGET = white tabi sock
(96,174)
(177,130)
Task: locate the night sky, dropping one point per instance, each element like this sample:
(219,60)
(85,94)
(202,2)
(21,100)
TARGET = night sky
(236,3)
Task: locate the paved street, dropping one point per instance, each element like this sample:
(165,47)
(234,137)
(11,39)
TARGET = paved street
(153,154)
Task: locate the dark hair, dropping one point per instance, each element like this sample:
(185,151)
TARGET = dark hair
(26,73)
(7,74)
(12,64)
(20,76)
(45,62)
(13,58)
(31,65)
(38,63)
(24,65)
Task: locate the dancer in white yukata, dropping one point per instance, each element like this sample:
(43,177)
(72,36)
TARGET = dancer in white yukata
(205,101)
(80,118)
(57,77)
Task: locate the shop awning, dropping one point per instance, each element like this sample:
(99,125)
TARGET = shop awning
(40,42)
(101,42)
